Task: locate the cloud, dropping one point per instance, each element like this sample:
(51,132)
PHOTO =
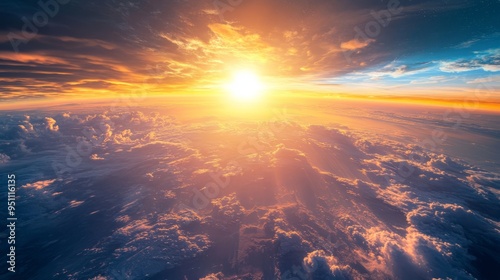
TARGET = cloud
(493,79)
(75,203)
(144,245)
(197,49)
(321,266)
(355,44)
(397,70)
(4,158)
(214,276)
(40,184)
(23,58)
(467,44)
(488,61)
(96,157)
(290,241)
(51,125)
(331,201)
(228,208)
(432,80)
(226,38)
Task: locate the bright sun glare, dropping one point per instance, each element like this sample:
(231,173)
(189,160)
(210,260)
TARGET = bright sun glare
(245,86)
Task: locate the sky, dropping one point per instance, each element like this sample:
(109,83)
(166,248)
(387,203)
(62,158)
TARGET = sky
(440,49)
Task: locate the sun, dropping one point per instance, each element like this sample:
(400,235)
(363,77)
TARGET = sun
(245,86)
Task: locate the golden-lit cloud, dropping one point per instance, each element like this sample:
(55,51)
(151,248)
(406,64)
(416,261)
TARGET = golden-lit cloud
(355,44)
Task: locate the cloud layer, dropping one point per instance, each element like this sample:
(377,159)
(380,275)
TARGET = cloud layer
(135,193)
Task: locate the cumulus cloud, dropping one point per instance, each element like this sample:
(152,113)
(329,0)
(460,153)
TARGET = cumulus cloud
(290,241)
(96,157)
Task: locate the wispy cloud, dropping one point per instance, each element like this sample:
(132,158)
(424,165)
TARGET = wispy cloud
(397,70)
(466,44)
(484,60)
(432,80)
